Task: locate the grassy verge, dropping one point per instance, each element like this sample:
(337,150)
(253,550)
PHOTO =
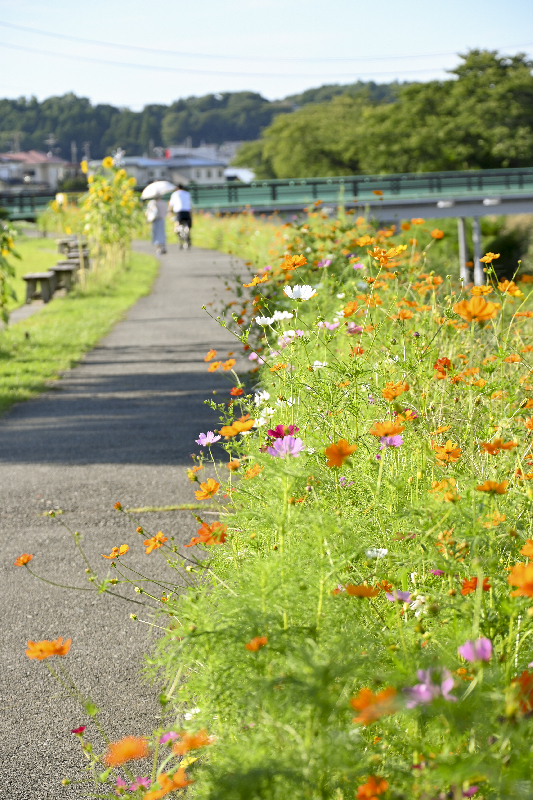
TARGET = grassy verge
(34,351)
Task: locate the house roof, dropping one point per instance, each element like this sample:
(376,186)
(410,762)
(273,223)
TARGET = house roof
(32,157)
(174,162)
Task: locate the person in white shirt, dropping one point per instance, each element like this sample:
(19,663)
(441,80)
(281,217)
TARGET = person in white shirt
(180,205)
(156,211)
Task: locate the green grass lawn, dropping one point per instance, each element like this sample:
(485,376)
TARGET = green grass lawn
(35,350)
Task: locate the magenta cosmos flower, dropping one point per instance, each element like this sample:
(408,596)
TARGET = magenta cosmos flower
(391,441)
(207,438)
(287,446)
(168,737)
(480,650)
(282,430)
(433,683)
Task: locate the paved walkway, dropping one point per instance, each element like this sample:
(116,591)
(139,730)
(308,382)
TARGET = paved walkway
(120,426)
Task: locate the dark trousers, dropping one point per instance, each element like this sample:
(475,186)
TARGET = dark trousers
(184,216)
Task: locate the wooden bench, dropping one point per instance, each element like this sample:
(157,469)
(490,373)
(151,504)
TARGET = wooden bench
(65,273)
(47,282)
(67,245)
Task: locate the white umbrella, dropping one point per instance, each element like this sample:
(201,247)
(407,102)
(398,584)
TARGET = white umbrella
(157,188)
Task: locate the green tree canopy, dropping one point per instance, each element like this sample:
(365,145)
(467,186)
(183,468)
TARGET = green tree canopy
(480,118)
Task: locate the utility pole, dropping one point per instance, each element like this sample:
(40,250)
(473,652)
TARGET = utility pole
(74,152)
(479,275)
(87,151)
(51,141)
(463,251)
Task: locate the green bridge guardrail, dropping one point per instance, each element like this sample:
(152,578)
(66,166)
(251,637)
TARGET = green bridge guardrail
(478,185)
(276,194)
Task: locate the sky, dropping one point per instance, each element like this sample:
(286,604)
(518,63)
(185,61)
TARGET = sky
(142,52)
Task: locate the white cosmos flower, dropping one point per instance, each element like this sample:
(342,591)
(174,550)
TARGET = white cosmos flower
(299,292)
(418,605)
(318,364)
(341,296)
(278,316)
(261,397)
(376,552)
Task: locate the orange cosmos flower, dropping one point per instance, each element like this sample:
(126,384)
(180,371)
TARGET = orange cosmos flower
(493,486)
(448,453)
(524,683)
(361,591)
(514,358)
(477,308)
(393,390)
(254,644)
(255,281)
(168,783)
(496,446)
(370,789)
(350,308)
(23,559)
(377,192)
(477,291)
(209,534)
(156,541)
(127,749)
(46,649)
(116,551)
(404,314)
(527,549)
(214,366)
(528,422)
(238,426)
(228,364)
(437,234)
(236,391)
(373,706)
(292,262)
(386,429)
(338,453)
(192,741)
(488,258)
(417,221)
(522,576)
(510,288)
(253,472)
(210,354)
(470,586)
(234,465)
(405,226)
(207,489)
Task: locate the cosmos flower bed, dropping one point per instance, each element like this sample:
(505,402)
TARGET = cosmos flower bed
(358,623)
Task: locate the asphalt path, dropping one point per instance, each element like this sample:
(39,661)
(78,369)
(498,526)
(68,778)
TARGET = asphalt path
(120,426)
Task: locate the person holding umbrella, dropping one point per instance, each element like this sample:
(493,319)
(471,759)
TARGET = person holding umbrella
(156,211)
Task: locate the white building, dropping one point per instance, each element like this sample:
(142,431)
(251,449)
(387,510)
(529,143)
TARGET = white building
(34,169)
(181,169)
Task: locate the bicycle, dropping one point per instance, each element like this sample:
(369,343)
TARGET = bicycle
(183,232)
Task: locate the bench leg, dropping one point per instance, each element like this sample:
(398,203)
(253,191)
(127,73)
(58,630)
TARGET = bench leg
(30,289)
(67,281)
(46,290)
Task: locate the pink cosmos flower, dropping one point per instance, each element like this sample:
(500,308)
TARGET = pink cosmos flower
(168,737)
(207,438)
(353,329)
(78,731)
(331,326)
(428,690)
(121,786)
(480,650)
(140,783)
(325,263)
(287,446)
(358,266)
(398,596)
(391,441)
(437,572)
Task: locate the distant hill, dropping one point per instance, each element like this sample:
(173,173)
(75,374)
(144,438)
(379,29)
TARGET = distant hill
(26,123)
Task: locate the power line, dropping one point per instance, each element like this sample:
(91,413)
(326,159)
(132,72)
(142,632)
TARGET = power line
(158,51)
(214,72)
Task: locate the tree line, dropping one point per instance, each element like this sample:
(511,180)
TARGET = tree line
(479,118)
(54,123)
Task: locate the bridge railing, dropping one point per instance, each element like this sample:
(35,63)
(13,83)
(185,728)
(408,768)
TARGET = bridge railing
(279,193)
